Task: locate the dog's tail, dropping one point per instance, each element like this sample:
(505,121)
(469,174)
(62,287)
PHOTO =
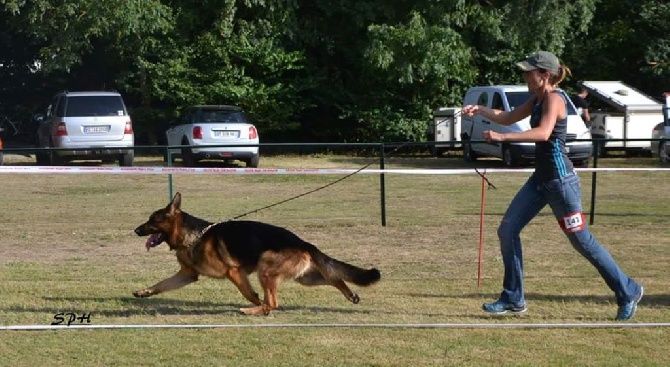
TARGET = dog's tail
(332,268)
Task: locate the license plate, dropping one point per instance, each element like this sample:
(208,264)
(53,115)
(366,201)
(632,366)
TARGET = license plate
(226,133)
(96,129)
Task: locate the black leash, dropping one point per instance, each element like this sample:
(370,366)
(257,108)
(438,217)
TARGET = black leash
(483,176)
(490,185)
(318,188)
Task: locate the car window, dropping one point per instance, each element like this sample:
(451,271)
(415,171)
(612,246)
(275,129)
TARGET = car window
(516,99)
(186,117)
(59,105)
(225,116)
(94,106)
(50,108)
(497,102)
(483,99)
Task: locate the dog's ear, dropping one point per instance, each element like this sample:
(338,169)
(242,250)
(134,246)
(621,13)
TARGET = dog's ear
(175,204)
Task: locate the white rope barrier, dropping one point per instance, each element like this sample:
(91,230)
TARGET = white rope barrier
(279,171)
(616,325)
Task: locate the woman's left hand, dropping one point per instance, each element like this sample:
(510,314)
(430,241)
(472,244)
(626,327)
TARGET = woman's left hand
(492,136)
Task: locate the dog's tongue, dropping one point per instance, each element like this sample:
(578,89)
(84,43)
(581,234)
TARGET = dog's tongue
(150,241)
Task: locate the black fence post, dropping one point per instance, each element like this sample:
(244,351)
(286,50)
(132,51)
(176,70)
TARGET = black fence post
(168,156)
(382,184)
(594,177)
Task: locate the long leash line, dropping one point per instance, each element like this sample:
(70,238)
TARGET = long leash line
(191,245)
(490,185)
(318,188)
(482,175)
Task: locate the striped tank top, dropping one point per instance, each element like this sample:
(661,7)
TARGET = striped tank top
(551,159)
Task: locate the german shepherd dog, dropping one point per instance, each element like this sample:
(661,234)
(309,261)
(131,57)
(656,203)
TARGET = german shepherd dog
(235,249)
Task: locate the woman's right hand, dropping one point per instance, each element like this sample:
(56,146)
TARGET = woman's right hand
(471,110)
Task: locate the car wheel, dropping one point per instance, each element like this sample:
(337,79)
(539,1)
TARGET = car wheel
(1,158)
(41,157)
(187,158)
(437,152)
(468,154)
(253,162)
(126,160)
(582,163)
(508,158)
(53,159)
(663,152)
(165,157)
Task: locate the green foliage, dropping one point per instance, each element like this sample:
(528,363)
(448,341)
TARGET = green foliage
(421,66)
(316,71)
(71,28)
(654,26)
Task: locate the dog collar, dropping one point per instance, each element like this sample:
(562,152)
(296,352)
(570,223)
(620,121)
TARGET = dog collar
(190,246)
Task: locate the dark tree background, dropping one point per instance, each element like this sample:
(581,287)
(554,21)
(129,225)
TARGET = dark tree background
(315,71)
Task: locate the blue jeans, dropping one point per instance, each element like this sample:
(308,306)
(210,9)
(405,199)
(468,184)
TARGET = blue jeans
(564,196)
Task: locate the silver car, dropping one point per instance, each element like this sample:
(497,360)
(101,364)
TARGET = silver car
(661,148)
(214,132)
(86,125)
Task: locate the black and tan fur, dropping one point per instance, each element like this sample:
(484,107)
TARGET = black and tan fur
(234,249)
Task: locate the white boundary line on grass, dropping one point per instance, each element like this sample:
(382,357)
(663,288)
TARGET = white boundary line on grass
(612,325)
(279,171)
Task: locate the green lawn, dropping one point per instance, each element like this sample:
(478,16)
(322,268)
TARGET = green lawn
(67,246)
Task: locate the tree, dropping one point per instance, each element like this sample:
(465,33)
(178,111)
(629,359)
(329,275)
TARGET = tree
(443,48)
(654,29)
(227,53)
(422,66)
(331,70)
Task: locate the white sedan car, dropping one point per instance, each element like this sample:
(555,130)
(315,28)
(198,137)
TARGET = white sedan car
(214,132)
(661,148)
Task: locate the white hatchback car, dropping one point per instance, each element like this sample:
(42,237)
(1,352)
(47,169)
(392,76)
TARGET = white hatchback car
(214,132)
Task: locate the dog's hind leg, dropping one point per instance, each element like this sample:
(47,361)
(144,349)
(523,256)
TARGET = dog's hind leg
(183,277)
(241,281)
(311,278)
(342,286)
(270,283)
(314,277)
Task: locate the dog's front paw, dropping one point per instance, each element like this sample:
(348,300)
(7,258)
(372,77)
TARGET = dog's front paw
(143,293)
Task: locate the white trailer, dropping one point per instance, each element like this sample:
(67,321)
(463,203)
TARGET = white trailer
(445,130)
(631,115)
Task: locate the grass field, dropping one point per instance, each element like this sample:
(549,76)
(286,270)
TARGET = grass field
(66,245)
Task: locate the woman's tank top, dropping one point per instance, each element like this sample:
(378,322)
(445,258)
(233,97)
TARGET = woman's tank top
(551,160)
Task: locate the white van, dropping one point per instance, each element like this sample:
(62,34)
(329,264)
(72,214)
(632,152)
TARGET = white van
(506,98)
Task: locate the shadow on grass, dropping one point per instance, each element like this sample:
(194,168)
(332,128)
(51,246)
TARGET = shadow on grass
(164,306)
(649,300)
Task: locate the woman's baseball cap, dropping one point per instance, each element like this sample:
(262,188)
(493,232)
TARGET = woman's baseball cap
(540,60)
